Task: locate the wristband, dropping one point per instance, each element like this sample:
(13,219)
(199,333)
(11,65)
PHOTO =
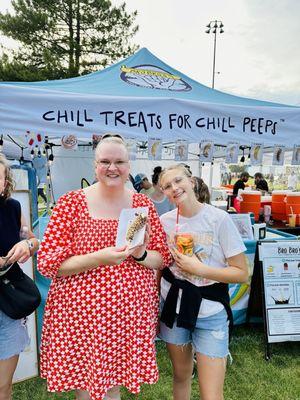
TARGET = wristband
(29,244)
(142,258)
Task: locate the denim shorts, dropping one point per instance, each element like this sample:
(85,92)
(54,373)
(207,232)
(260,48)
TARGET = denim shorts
(13,336)
(210,336)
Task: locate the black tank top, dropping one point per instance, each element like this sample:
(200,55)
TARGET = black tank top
(10,224)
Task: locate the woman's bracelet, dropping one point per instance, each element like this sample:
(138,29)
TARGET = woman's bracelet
(142,258)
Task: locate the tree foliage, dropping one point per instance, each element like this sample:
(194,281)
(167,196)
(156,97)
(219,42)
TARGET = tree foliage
(64,38)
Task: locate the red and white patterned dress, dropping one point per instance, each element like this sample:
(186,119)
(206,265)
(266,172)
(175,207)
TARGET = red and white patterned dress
(99,326)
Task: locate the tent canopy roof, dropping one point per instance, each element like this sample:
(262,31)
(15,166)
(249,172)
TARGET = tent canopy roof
(142,97)
(107,82)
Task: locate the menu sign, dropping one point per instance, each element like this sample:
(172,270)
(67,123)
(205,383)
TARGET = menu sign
(281,282)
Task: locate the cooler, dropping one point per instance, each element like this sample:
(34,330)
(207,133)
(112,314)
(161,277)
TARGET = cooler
(278,205)
(250,203)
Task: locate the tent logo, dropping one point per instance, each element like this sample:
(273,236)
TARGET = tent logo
(153,77)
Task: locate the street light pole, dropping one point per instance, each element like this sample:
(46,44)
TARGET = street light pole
(214,27)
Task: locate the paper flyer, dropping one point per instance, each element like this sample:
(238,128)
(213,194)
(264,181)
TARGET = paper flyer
(256,153)
(181,150)
(154,149)
(296,155)
(131,145)
(206,151)
(243,224)
(232,153)
(278,155)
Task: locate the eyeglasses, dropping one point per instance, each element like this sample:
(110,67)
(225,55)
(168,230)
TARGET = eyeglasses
(107,163)
(108,135)
(167,187)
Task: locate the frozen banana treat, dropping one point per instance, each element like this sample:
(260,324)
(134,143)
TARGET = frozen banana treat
(136,225)
(132,227)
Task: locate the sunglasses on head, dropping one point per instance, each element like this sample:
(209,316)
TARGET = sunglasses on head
(108,135)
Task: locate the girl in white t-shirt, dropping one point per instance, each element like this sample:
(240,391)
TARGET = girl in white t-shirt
(194,292)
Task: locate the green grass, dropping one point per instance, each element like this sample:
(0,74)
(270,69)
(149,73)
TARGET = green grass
(249,377)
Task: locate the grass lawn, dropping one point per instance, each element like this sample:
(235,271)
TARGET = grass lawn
(250,377)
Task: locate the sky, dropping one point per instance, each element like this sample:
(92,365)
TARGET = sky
(257,56)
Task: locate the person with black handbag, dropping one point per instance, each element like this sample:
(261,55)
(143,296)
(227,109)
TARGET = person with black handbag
(13,332)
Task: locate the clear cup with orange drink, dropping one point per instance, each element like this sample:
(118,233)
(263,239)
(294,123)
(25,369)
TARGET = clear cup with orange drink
(184,243)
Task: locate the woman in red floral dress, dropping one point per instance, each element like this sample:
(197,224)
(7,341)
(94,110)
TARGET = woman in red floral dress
(101,312)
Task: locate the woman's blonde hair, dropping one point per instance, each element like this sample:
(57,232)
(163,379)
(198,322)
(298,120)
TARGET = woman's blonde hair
(111,138)
(181,167)
(9,182)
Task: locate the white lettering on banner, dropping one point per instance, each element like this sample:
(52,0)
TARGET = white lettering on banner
(140,119)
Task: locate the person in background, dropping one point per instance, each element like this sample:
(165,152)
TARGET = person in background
(101,314)
(13,333)
(194,290)
(41,192)
(201,190)
(130,183)
(142,185)
(292,181)
(271,180)
(160,201)
(229,178)
(240,183)
(260,183)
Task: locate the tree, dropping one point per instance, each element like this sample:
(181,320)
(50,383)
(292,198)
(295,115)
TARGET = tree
(64,38)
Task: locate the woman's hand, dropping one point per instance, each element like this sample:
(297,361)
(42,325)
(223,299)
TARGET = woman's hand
(19,252)
(190,264)
(138,251)
(3,261)
(112,255)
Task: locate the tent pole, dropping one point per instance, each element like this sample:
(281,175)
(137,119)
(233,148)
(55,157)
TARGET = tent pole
(211,169)
(200,168)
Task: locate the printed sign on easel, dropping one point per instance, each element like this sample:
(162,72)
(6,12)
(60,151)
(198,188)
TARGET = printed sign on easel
(281,287)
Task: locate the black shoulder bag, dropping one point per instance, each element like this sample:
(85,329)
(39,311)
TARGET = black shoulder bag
(19,295)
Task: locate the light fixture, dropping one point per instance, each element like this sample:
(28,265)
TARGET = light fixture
(214,27)
(242,160)
(32,154)
(1,142)
(51,158)
(22,156)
